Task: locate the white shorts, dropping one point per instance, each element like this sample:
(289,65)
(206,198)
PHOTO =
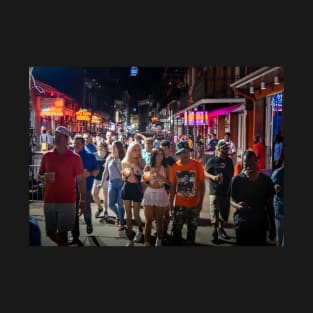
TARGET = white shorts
(155,197)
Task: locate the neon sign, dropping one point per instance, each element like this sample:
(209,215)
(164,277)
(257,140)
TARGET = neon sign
(83,115)
(52,107)
(195,118)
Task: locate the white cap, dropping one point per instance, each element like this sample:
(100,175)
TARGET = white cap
(62,130)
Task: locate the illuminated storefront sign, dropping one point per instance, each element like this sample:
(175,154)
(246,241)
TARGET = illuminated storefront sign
(69,112)
(96,119)
(52,107)
(195,118)
(83,115)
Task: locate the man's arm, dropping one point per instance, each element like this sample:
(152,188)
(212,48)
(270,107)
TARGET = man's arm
(207,169)
(238,205)
(81,181)
(141,135)
(210,176)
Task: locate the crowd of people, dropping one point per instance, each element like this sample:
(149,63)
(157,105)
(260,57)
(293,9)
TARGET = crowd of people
(142,172)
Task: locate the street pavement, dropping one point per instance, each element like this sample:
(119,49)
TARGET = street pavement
(106,234)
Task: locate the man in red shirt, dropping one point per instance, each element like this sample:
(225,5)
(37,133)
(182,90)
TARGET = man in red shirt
(59,169)
(259,150)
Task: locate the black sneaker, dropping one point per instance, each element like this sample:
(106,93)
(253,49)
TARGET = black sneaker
(98,212)
(223,233)
(89,229)
(214,236)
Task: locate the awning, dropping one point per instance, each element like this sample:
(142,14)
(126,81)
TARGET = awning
(227,110)
(264,74)
(242,101)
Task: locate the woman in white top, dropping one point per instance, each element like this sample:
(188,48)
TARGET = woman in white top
(155,198)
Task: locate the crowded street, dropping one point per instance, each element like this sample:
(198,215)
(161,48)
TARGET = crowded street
(156,157)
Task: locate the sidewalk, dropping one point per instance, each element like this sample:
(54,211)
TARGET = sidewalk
(107,235)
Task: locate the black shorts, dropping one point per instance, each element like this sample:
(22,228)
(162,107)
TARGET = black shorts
(131,191)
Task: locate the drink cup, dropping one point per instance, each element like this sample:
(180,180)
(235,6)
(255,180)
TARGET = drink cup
(146,176)
(50,177)
(126,172)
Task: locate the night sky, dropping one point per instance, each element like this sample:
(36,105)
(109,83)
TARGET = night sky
(69,80)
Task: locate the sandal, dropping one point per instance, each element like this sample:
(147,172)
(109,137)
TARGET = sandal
(121,227)
(98,212)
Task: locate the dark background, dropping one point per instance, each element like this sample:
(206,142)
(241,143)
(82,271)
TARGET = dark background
(114,81)
(174,34)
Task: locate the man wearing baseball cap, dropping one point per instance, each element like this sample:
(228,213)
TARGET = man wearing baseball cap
(220,170)
(60,168)
(186,197)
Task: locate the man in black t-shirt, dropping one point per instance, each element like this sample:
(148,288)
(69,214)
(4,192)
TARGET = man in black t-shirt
(251,195)
(220,170)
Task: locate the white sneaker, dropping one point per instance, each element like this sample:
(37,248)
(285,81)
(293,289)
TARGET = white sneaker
(158,242)
(129,244)
(138,236)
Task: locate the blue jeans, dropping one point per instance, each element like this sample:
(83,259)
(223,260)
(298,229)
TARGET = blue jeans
(115,198)
(87,214)
(279,221)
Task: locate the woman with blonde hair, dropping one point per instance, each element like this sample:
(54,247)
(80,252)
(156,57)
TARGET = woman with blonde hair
(132,191)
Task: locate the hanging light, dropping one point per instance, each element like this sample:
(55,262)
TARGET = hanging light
(251,90)
(276,80)
(263,85)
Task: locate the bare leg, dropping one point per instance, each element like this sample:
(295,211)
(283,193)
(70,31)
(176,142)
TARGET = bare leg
(129,216)
(137,215)
(159,212)
(148,210)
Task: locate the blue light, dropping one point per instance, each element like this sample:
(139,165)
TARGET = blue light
(134,71)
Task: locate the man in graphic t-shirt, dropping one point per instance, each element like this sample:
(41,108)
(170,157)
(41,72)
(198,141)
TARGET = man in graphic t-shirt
(187,189)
